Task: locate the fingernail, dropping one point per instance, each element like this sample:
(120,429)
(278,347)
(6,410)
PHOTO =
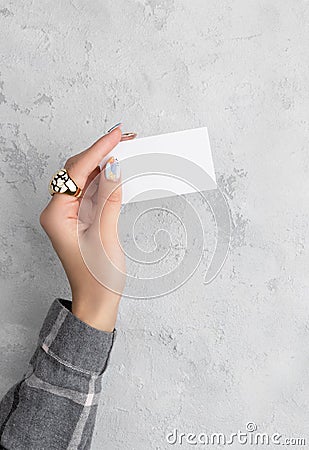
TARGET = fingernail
(112,169)
(114,127)
(128,136)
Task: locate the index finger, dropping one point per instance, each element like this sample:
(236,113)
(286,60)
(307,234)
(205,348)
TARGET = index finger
(81,165)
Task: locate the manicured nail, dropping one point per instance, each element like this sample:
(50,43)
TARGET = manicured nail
(128,136)
(112,169)
(114,127)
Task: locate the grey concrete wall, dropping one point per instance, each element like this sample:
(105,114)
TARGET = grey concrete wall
(205,358)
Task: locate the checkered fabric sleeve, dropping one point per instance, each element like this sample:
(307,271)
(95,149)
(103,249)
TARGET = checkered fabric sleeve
(55,404)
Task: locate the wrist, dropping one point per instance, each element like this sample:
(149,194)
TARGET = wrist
(98,313)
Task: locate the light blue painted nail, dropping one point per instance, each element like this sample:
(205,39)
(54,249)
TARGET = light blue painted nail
(112,170)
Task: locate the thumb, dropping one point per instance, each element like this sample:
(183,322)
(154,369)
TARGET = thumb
(109,197)
(103,250)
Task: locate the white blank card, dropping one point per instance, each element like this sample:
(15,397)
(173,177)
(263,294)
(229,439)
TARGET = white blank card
(165,165)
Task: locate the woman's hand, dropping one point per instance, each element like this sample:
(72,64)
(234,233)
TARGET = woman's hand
(86,229)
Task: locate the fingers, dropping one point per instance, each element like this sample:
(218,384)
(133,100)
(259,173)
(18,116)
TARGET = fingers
(82,165)
(83,169)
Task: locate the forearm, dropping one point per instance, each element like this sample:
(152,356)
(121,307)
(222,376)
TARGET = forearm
(55,405)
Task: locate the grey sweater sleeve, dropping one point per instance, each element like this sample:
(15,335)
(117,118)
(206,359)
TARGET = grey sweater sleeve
(55,404)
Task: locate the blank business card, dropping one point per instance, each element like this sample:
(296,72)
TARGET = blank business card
(165,165)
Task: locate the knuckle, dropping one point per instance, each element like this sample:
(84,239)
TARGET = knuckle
(114,198)
(70,162)
(112,193)
(44,218)
(47,217)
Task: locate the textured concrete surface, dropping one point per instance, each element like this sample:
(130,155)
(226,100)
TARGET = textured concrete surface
(205,358)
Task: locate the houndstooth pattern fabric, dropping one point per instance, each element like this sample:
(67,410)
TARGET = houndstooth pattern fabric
(54,406)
